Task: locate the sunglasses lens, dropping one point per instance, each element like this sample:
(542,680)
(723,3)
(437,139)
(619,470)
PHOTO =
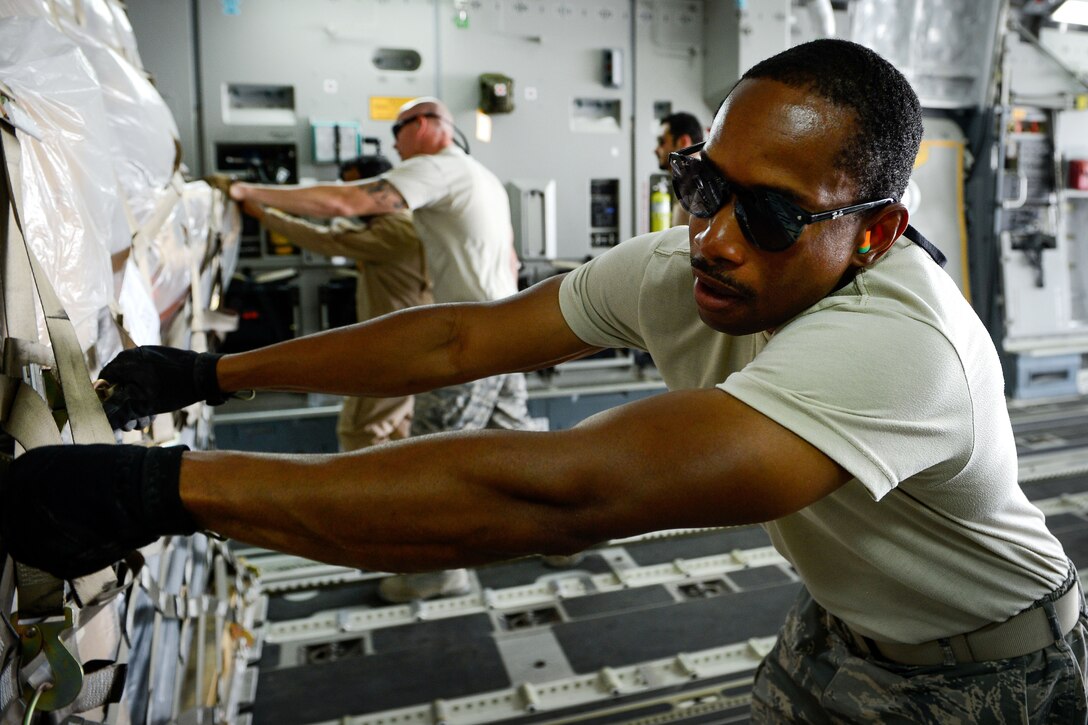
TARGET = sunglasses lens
(699,190)
(761,222)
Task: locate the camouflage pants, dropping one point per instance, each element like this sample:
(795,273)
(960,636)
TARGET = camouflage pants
(495,402)
(816,674)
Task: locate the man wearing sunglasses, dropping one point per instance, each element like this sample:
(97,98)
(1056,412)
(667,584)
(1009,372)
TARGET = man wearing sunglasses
(827,379)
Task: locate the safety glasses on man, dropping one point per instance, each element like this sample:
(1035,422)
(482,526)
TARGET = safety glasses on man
(401,124)
(767,219)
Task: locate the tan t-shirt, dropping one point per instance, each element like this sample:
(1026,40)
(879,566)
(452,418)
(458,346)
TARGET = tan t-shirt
(895,378)
(462,214)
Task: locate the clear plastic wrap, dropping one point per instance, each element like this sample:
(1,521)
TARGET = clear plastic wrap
(138,308)
(230,235)
(213,226)
(104,20)
(126,38)
(165,262)
(24,8)
(71,215)
(143,140)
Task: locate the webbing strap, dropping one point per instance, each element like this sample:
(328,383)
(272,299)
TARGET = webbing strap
(101,686)
(142,237)
(19,352)
(26,415)
(19,312)
(85,414)
(26,418)
(41,594)
(930,248)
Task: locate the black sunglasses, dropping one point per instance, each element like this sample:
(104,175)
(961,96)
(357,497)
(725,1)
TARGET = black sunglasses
(401,124)
(768,220)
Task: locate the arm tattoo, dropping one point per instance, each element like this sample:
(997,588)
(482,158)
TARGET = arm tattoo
(385,195)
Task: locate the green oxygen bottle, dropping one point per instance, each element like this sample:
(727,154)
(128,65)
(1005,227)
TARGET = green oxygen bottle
(660,206)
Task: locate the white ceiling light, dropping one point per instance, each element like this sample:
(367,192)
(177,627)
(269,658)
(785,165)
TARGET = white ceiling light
(1071,11)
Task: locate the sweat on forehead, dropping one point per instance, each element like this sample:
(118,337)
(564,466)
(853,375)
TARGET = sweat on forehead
(771,135)
(876,151)
(765,110)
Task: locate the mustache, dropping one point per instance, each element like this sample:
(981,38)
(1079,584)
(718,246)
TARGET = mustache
(719,275)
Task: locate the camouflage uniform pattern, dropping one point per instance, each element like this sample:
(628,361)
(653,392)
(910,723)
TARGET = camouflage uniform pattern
(817,674)
(495,402)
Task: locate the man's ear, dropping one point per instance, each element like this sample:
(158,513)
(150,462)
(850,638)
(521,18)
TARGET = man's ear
(683,141)
(877,237)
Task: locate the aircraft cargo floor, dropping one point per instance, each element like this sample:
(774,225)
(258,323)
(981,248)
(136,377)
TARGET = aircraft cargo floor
(662,629)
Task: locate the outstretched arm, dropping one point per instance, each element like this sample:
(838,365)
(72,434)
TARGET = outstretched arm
(324,200)
(468,498)
(684,459)
(417,349)
(413,350)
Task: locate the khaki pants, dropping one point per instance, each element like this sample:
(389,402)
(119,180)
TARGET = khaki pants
(366,422)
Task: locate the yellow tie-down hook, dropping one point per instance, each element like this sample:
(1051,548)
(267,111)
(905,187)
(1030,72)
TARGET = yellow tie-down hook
(67,671)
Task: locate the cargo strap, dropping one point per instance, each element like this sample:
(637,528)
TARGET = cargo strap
(28,419)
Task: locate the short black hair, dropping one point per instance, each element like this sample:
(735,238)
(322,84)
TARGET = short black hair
(366,167)
(680,123)
(880,157)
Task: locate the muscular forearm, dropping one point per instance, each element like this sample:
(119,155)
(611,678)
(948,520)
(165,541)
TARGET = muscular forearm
(679,460)
(398,354)
(467,498)
(413,350)
(375,197)
(327,200)
(436,502)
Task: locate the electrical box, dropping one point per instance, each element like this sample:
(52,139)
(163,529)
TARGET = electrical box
(604,212)
(595,115)
(252,104)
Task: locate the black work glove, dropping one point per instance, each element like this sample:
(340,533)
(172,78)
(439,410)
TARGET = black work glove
(155,379)
(72,510)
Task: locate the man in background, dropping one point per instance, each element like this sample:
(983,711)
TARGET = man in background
(461,212)
(678,131)
(392,276)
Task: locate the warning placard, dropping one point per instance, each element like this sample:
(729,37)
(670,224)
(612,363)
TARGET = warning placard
(384,108)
